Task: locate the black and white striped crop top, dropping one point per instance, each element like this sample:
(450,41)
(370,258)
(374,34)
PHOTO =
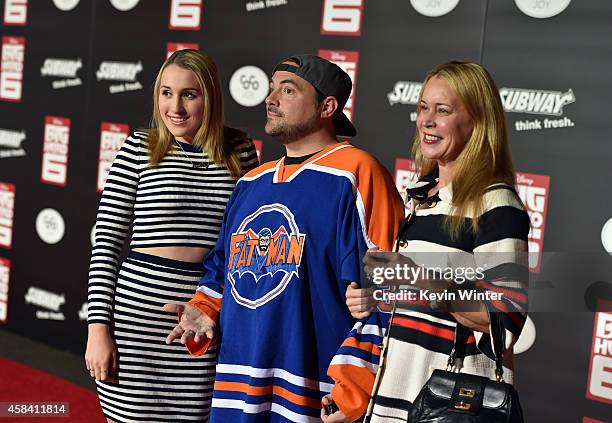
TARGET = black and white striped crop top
(179,202)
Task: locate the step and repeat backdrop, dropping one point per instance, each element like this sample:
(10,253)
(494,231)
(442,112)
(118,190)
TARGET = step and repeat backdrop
(76,77)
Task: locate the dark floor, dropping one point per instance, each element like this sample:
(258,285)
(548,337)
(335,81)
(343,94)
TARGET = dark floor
(62,364)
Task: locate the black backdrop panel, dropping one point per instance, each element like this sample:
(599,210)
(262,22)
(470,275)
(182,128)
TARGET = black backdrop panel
(562,54)
(570,51)
(57,50)
(400,44)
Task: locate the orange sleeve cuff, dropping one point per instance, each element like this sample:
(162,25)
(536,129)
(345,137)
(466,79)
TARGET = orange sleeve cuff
(352,389)
(212,308)
(207,304)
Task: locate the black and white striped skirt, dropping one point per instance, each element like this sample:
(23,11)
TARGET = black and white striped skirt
(157,382)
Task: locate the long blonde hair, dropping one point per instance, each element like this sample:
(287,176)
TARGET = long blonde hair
(486,157)
(212,137)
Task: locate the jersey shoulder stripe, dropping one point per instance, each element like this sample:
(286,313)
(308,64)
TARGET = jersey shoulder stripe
(260,170)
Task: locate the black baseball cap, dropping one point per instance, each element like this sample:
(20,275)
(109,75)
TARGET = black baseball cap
(328,79)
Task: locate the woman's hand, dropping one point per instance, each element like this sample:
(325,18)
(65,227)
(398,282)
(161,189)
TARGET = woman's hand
(101,353)
(360,301)
(381,267)
(336,417)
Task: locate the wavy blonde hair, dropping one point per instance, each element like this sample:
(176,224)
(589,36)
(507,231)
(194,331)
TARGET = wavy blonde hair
(212,137)
(486,157)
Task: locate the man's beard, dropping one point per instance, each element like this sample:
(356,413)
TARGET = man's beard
(287,133)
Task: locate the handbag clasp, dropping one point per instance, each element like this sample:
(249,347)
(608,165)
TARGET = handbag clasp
(461,405)
(465,392)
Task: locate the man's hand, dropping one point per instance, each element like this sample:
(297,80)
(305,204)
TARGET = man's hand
(192,323)
(337,417)
(360,302)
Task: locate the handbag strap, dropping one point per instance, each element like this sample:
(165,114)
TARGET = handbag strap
(461,334)
(496,331)
(385,343)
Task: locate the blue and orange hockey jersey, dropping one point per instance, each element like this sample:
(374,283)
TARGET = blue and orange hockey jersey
(292,239)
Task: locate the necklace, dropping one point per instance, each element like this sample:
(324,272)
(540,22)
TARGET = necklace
(193,164)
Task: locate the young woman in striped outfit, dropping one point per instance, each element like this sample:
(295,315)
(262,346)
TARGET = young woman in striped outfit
(170,184)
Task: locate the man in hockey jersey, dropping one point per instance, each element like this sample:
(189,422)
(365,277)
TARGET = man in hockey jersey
(292,239)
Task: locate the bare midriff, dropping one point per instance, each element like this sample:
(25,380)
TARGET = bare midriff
(189,254)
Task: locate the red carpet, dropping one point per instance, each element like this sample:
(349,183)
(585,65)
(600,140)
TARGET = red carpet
(20,383)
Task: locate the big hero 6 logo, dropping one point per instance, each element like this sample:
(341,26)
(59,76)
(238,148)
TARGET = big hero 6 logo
(265,253)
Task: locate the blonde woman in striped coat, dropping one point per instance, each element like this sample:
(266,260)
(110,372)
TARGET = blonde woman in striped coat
(463,209)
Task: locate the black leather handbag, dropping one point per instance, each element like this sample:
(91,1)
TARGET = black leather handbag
(451,397)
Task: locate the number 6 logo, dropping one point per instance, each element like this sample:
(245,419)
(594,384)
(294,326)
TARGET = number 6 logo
(185,14)
(342,17)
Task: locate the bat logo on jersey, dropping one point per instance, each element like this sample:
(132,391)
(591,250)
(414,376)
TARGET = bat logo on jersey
(265,252)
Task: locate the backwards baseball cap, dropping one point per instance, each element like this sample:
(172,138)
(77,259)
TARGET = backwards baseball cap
(328,79)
